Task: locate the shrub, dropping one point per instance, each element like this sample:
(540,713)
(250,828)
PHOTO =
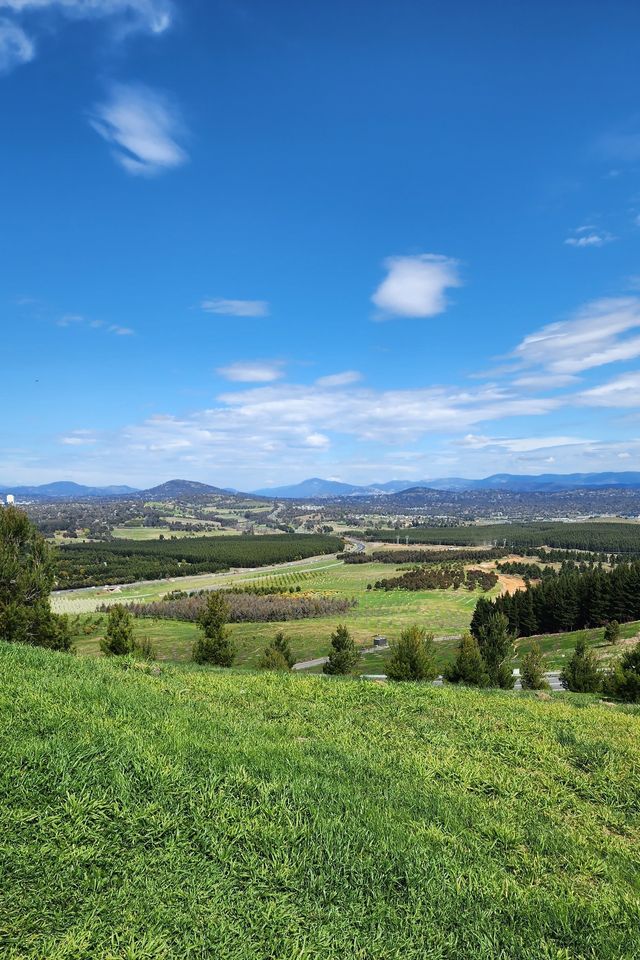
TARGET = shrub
(412,656)
(272,659)
(468,668)
(582,673)
(118,638)
(144,649)
(625,680)
(612,632)
(343,656)
(532,670)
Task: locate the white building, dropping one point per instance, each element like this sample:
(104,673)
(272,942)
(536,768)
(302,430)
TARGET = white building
(10,499)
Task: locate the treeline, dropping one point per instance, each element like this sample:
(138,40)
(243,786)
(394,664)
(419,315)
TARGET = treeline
(425,556)
(125,561)
(572,600)
(439,578)
(578,556)
(619,538)
(245,607)
(520,568)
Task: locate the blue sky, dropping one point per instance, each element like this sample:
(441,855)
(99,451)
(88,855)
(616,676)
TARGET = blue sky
(248,242)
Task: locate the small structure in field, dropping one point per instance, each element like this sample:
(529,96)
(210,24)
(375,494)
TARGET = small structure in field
(380,641)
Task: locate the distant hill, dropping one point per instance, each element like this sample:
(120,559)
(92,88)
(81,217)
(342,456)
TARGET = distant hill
(178,489)
(62,489)
(314,488)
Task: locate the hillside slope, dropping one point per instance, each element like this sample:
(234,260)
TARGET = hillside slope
(192,814)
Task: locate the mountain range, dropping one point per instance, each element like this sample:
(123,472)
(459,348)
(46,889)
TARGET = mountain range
(315,488)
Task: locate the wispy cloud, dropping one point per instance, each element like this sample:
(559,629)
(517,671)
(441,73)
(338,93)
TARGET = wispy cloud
(253,371)
(416,286)
(79,438)
(519,444)
(154,16)
(18,47)
(339,379)
(77,320)
(592,338)
(15,46)
(236,308)
(142,126)
(622,391)
(590,239)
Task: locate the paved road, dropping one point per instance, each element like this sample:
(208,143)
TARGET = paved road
(307,664)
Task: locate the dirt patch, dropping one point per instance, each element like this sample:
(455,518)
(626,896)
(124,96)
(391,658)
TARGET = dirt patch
(509,583)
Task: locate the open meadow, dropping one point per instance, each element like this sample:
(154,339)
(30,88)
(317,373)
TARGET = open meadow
(177,812)
(446,613)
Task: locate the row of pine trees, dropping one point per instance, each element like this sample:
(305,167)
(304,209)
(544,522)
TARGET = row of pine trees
(571,601)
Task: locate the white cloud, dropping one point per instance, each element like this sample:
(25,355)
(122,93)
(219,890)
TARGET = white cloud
(590,239)
(590,339)
(544,381)
(519,444)
(15,46)
(622,391)
(339,379)
(154,16)
(253,371)
(317,440)
(236,308)
(77,320)
(142,127)
(415,286)
(120,331)
(79,438)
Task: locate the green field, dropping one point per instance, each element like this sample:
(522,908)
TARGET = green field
(162,814)
(444,612)
(154,533)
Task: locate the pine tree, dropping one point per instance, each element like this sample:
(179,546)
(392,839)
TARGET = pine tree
(26,580)
(582,673)
(483,610)
(496,647)
(118,638)
(532,670)
(281,644)
(612,632)
(344,655)
(469,667)
(214,645)
(528,623)
(277,654)
(413,656)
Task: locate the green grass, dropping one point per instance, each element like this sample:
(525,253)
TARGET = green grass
(151,533)
(444,612)
(557,647)
(196,814)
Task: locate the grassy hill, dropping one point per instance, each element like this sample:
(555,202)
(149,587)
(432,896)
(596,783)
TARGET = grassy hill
(173,812)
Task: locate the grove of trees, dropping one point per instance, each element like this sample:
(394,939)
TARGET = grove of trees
(572,600)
